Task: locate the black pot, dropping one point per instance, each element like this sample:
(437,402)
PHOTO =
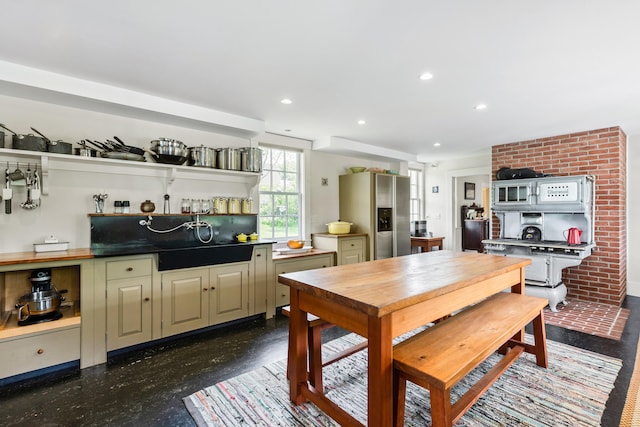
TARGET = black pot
(532,233)
(28,142)
(60,147)
(25,142)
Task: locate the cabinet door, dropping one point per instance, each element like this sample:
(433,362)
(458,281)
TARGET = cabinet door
(229,296)
(260,279)
(301,264)
(185,301)
(128,312)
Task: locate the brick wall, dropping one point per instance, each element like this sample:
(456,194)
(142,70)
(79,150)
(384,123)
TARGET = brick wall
(602,277)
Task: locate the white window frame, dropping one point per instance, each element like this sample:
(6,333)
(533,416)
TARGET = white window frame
(420,183)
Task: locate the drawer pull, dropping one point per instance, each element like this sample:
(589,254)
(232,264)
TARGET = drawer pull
(129,268)
(258,255)
(213,288)
(205,289)
(40,351)
(147,299)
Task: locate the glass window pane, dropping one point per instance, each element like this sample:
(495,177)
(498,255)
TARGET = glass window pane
(280,198)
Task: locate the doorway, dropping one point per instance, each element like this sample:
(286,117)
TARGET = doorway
(468,186)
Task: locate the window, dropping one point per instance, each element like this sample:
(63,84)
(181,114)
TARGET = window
(416,195)
(280,194)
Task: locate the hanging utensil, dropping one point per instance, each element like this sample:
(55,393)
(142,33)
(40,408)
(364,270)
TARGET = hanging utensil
(35,190)
(7,192)
(28,204)
(17,177)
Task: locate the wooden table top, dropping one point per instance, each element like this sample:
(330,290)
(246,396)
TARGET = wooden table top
(380,287)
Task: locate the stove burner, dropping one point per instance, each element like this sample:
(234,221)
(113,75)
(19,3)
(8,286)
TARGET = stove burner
(33,319)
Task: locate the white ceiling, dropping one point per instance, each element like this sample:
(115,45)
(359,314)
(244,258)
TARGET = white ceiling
(543,68)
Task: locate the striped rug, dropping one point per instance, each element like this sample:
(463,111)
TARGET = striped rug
(571,392)
(631,412)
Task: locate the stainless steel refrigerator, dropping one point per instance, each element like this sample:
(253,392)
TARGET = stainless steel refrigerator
(378,204)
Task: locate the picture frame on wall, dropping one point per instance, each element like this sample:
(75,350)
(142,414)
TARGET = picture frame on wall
(469,191)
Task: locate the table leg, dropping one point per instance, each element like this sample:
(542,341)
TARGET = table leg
(380,359)
(297,349)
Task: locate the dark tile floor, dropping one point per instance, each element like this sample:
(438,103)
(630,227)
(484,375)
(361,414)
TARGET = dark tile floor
(145,387)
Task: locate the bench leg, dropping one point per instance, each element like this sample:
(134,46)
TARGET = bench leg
(315,358)
(540,340)
(399,396)
(440,407)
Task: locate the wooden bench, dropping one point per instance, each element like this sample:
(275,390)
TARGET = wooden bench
(439,357)
(315,326)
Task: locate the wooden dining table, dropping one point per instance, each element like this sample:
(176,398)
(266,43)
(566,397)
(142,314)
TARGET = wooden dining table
(381,300)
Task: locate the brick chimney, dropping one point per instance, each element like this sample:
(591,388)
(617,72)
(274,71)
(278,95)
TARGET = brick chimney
(602,277)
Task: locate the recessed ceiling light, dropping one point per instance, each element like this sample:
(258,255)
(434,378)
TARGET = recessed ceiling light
(480,107)
(287,130)
(436,144)
(361,122)
(286,101)
(426,76)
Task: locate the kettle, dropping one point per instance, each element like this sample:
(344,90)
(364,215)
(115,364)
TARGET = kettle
(573,236)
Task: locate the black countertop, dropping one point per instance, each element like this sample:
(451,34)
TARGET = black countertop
(136,248)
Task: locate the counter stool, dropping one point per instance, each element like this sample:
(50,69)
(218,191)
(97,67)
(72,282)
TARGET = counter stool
(315,326)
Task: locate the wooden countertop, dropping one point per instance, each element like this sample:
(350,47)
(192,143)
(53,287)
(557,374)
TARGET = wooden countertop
(339,235)
(10,258)
(312,252)
(33,257)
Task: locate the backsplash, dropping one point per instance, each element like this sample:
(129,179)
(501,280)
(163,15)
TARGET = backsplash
(129,233)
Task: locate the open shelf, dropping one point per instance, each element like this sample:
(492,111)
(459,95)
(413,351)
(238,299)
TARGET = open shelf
(52,161)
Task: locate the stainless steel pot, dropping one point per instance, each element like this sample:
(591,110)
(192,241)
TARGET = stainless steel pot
(169,147)
(38,303)
(26,142)
(251,159)
(229,158)
(202,156)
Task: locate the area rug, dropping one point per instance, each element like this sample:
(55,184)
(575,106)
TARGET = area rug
(572,392)
(592,318)
(631,412)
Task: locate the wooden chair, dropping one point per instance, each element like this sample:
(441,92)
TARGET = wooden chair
(315,326)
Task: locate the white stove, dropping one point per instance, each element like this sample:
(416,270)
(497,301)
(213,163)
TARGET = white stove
(549,206)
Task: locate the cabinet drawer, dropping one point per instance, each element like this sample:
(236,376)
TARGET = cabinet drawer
(128,268)
(304,264)
(40,351)
(351,244)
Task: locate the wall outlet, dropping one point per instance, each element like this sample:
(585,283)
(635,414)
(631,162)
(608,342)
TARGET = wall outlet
(324,181)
